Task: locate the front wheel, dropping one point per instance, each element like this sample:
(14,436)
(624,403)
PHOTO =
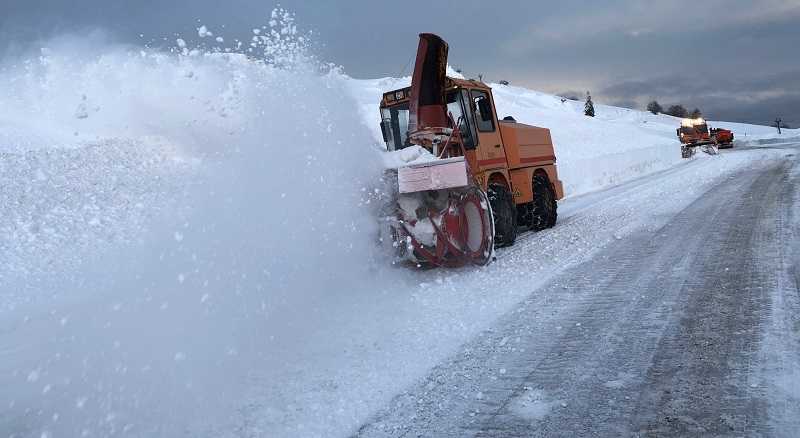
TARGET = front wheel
(505,215)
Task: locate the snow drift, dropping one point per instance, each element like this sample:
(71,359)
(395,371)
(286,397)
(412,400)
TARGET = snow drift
(265,180)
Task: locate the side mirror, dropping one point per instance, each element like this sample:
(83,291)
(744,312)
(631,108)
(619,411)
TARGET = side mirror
(485,109)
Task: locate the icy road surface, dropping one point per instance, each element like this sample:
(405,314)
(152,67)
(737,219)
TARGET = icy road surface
(684,329)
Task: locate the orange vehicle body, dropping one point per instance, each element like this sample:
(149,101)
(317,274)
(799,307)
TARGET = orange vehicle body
(694,134)
(722,137)
(506,153)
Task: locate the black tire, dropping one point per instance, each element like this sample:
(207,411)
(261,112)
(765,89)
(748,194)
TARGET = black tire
(505,215)
(544,211)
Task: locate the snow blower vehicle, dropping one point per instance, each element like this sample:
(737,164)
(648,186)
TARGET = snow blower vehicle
(465,181)
(694,133)
(723,138)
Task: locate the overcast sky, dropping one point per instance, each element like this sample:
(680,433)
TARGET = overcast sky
(734,59)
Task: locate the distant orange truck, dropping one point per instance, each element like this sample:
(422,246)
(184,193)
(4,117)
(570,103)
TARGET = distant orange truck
(695,132)
(722,137)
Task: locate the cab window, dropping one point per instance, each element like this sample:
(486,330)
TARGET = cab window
(484,117)
(455,106)
(468,125)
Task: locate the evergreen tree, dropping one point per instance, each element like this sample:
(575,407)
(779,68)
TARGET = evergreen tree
(654,107)
(588,109)
(696,114)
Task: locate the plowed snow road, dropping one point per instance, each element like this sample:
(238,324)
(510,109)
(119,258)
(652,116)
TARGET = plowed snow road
(667,305)
(687,330)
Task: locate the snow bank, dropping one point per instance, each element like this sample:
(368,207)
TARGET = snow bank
(241,192)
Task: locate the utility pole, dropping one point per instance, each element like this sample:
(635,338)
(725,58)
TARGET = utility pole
(778,124)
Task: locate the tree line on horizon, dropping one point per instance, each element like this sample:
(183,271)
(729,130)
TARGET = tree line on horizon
(676,110)
(680,111)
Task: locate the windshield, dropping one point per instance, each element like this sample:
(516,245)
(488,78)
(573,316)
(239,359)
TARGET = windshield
(692,130)
(395,126)
(394,123)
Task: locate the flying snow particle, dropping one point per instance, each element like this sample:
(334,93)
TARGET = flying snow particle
(33,376)
(82,112)
(181,43)
(203,32)
(220,39)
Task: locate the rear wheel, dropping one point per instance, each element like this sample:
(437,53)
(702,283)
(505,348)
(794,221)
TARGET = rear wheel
(505,215)
(544,212)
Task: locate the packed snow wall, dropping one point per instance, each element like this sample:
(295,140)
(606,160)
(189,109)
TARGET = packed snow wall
(183,209)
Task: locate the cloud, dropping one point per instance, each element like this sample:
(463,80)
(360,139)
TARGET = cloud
(632,18)
(549,46)
(752,99)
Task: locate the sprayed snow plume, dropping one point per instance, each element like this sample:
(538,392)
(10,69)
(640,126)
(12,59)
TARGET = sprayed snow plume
(174,204)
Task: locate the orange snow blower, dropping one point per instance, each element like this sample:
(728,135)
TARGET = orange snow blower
(471,180)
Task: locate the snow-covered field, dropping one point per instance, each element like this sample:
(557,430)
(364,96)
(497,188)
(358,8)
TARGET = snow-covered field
(187,238)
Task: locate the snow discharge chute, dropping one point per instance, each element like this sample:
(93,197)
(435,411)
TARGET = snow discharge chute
(442,216)
(427,105)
